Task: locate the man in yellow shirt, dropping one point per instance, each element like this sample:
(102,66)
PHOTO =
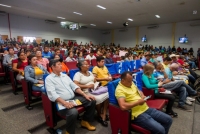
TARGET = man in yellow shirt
(101,72)
(129,97)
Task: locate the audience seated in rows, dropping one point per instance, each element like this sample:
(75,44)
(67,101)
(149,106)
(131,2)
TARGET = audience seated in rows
(19,65)
(64,67)
(40,60)
(90,56)
(86,80)
(34,73)
(46,53)
(60,88)
(152,83)
(7,60)
(70,57)
(130,97)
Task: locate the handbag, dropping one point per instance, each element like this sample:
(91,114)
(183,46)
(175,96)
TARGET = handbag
(100,90)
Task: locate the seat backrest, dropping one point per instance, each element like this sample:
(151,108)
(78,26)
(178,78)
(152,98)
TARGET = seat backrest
(1,68)
(111,90)
(138,64)
(72,73)
(88,61)
(114,59)
(93,62)
(71,65)
(112,68)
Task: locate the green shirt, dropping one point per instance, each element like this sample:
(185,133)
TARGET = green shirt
(150,82)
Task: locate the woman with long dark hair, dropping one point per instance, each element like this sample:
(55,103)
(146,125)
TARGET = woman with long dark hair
(34,73)
(19,64)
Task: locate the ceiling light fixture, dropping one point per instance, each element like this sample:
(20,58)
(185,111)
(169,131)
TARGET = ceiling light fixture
(4,5)
(157,16)
(109,22)
(130,19)
(101,7)
(77,13)
(60,17)
(92,24)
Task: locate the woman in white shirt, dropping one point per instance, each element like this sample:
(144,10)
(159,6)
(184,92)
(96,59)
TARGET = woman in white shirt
(70,57)
(85,80)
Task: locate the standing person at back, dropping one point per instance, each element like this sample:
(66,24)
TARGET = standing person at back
(101,72)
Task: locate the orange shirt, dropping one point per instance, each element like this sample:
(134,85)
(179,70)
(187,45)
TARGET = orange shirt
(64,68)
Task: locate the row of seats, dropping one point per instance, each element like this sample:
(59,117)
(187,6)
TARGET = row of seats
(52,117)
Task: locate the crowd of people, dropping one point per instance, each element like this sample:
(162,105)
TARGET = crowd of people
(163,68)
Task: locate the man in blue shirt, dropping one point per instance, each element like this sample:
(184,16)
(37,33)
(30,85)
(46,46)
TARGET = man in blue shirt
(108,60)
(46,53)
(145,59)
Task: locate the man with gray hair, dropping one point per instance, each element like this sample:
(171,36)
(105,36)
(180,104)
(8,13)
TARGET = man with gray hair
(180,87)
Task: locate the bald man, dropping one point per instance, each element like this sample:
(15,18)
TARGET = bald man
(183,90)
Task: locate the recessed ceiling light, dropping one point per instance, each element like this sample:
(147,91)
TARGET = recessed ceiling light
(60,17)
(101,7)
(77,13)
(4,5)
(92,24)
(157,16)
(109,22)
(130,19)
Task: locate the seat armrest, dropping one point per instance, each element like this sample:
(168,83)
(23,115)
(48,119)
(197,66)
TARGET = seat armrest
(119,119)
(148,92)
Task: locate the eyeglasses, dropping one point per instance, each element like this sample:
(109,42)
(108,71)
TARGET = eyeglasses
(85,65)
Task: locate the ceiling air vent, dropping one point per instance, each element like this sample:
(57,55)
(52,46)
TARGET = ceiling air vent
(105,32)
(3,13)
(51,21)
(152,26)
(83,27)
(123,30)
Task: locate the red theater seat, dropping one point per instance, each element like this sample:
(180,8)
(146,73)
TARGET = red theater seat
(28,94)
(123,125)
(71,65)
(36,94)
(93,62)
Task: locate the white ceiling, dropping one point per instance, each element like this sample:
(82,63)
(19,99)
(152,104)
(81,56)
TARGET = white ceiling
(117,11)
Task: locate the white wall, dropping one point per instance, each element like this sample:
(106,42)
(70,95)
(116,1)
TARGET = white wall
(24,26)
(161,36)
(125,38)
(193,34)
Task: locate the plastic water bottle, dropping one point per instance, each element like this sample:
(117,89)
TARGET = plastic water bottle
(59,131)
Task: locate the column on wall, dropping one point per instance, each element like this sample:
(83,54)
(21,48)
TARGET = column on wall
(137,35)
(173,33)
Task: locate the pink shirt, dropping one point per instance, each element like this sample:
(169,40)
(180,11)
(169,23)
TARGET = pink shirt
(43,62)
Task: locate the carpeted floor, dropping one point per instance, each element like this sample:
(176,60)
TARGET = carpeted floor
(16,119)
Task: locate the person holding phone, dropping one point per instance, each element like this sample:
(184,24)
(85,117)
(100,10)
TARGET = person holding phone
(129,97)
(153,84)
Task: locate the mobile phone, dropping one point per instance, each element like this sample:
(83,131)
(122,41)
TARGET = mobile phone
(146,98)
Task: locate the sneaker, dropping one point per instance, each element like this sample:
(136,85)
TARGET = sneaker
(184,108)
(190,99)
(193,69)
(188,102)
